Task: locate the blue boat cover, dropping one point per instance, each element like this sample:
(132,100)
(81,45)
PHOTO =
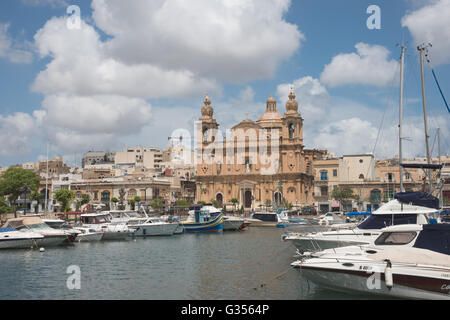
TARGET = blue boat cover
(435,237)
(9,229)
(358,214)
(419,198)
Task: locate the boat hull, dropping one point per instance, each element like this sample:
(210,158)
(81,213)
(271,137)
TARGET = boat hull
(116,235)
(90,237)
(405,286)
(215,225)
(232,225)
(18,243)
(312,245)
(166,229)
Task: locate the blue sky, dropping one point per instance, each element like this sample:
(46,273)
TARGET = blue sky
(157,73)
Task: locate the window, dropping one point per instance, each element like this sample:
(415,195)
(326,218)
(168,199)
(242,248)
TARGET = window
(334,172)
(395,238)
(324,191)
(291,131)
(361,176)
(390,177)
(324,175)
(361,160)
(379,221)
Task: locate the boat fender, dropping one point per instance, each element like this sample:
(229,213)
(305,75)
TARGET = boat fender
(388,278)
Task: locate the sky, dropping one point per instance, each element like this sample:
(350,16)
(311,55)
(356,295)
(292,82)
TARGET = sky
(112,74)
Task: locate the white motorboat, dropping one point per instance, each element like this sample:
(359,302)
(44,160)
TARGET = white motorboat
(155,227)
(127,217)
(269,219)
(11,238)
(88,235)
(328,218)
(232,223)
(101,222)
(406,261)
(35,224)
(392,213)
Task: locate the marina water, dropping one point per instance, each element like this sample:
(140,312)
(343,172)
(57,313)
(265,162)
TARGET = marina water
(253,264)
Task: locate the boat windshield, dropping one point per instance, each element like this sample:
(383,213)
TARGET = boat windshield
(395,238)
(41,226)
(379,221)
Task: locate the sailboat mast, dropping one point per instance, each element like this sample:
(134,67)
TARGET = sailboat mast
(421,49)
(400,156)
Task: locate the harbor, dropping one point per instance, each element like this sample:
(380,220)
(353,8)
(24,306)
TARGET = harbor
(224,151)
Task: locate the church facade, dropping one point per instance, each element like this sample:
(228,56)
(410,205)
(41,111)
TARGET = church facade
(259,163)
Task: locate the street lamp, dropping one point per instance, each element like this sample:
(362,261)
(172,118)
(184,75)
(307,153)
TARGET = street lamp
(279,193)
(200,185)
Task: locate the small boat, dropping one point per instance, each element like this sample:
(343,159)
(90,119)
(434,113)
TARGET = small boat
(11,238)
(155,227)
(88,235)
(329,218)
(201,221)
(406,261)
(101,222)
(269,219)
(127,217)
(34,223)
(230,223)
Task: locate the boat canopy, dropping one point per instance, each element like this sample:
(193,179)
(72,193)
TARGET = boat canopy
(435,237)
(380,221)
(419,198)
(358,214)
(9,229)
(23,221)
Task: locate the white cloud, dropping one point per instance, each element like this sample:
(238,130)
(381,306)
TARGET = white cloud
(369,66)
(10,49)
(429,24)
(16,132)
(225,40)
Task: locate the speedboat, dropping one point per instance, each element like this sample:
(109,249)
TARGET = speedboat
(328,218)
(155,227)
(88,234)
(269,219)
(127,217)
(11,238)
(35,224)
(200,220)
(405,261)
(392,213)
(101,222)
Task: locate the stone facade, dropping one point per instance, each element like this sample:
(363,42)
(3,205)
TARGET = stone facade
(262,162)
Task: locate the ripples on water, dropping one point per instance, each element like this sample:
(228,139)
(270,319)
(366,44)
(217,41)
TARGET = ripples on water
(233,265)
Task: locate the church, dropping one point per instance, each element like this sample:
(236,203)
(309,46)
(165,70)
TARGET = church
(260,163)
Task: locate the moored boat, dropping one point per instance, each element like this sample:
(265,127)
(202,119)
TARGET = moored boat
(155,227)
(11,238)
(406,261)
(201,221)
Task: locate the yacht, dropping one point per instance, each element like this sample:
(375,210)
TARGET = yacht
(155,227)
(394,212)
(101,222)
(405,261)
(35,224)
(11,238)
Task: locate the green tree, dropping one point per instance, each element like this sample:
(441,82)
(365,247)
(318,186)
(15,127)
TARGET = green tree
(132,203)
(287,205)
(12,182)
(182,203)
(115,201)
(201,202)
(268,203)
(157,203)
(234,201)
(4,207)
(343,194)
(64,197)
(215,203)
